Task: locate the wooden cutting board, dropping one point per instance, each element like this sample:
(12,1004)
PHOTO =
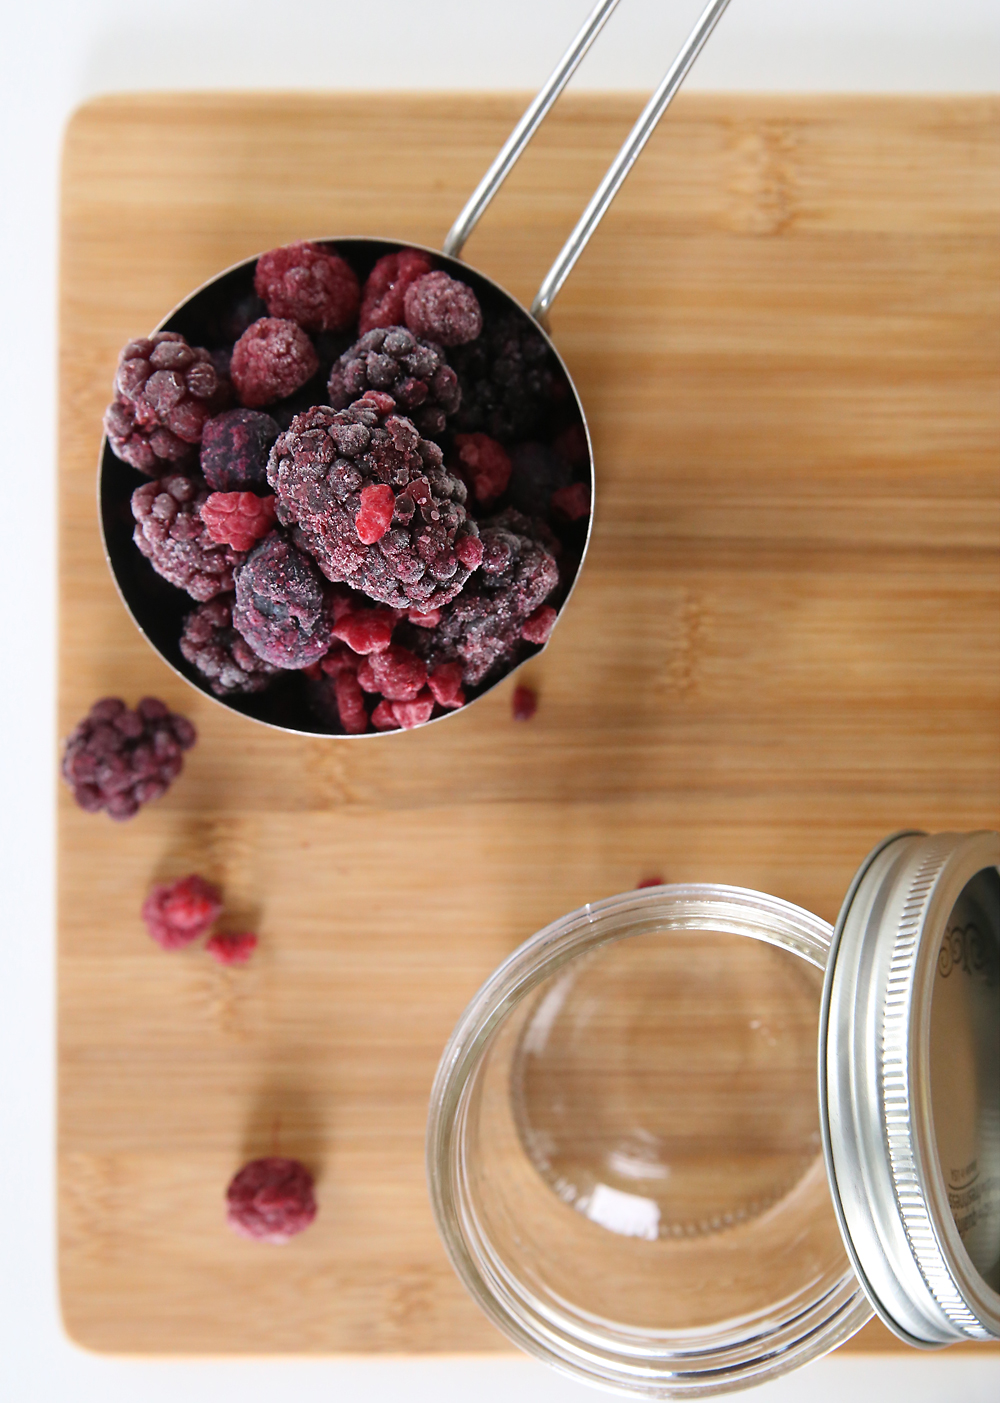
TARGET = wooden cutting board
(784,645)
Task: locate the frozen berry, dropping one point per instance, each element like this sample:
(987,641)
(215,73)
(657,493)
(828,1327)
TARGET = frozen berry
(445,684)
(271,360)
(234,449)
(539,624)
(281,608)
(414,372)
(508,380)
(271,1199)
(524,703)
(304,283)
(170,533)
(319,469)
(165,390)
(350,703)
(400,674)
(485,466)
(377,506)
(536,475)
(442,309)
(383,718)
(231,947)
(238,519)
(366,630)
(424,618)
(572,502)
(178,913)
(649,882)
(417,712)
(116,759)
(211,644)
(385,288)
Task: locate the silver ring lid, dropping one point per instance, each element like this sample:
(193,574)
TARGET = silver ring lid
(909,1072)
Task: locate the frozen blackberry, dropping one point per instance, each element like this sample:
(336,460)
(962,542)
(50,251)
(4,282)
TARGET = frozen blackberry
(442,309)
(536,473)
(508,380)
(234,449)
(238,519)
(178,912)
(211,644)
(271,360)
(118,760)
(386,286)
(482,628)
(320,468)
(271,1199)
(414,372)
(165,391)
(304,283)
(172,536)
(281,607)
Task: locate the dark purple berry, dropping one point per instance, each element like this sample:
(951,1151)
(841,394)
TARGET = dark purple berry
(234,449)
(221,654)
(413,372)
(118,760)
(172,536)
(281,607)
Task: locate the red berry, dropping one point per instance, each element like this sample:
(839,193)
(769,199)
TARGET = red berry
(426,618)
(649,882)
(350,703)
(238,519)
(365,676)
(375,513)
(400,674)
(485,466)
(538,625)
(383,718)
(524,703)
(366,631)
(440,308)
(414,713)
(271,1199)
(271,360)
(385,289)
(573,501)
(445,683)
(469,550)
(178,913)
(308,285)
(231,947)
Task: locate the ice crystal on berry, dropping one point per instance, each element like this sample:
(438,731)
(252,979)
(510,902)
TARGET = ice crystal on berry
(414,372)
(281,607)
(385,288)
(304,283)
(221,654)
(442,309)
(271,1199)
(165,391)
(178,912)
(118,760)
(271,360)
(238,519)
(234,449)
(174,539)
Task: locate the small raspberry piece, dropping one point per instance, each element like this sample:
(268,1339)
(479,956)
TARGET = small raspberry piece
(572,502)
(366,631)
(231,947)
(399,673)
(385,288)
(445,683)
(271,360)
(649,882)
(524,703)
(238,519)
(365,676)
(411,714)
(509,380)
(413,372)
(281,607)
(350,703)
(304,283)
(271,1199)
(211,644)
(469,550)
(118,760)
(485,466)
(339,659)
(234,449)
(442,309)
(383,718)
(165,390)
(539,624)
(426,618)
(178,913)
(375,513)
(171,534)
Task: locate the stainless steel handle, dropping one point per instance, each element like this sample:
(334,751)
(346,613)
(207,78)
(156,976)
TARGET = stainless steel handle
(620,166)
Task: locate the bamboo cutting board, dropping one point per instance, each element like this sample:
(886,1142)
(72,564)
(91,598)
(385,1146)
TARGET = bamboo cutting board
(783,646)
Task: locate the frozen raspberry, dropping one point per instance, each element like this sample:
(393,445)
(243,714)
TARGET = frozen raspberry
(238,519)
(385,288)
(211,644)
(572,502)
(232,947)
(508,380)
(445,684)
(410,714)
(366,630)
(172,536)
(319,469)
(524,703)
(234,449)
(271,360)
(383,718)
(536,475)
(442,309)
(424,618)
(375,513)
(538,625)
(165,390)
(350,702)
(304,283)
(118,760)
(484,465)
(400,674)
(414,372)
(365,675)
(281,608)
(177,914)
(649,882)
(271,1199)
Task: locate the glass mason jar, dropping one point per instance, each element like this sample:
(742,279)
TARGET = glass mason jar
(644,1178)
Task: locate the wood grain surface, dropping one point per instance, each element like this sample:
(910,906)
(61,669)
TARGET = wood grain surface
(784,645)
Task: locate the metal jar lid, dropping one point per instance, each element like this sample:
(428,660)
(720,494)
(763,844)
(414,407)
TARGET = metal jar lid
(909,1072)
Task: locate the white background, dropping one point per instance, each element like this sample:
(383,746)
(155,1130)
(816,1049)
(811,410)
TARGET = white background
(55,54)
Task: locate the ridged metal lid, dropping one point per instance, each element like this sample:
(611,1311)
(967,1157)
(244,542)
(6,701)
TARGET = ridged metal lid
(909,1070)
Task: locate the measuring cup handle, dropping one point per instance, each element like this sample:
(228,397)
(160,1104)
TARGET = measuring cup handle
(620,167)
